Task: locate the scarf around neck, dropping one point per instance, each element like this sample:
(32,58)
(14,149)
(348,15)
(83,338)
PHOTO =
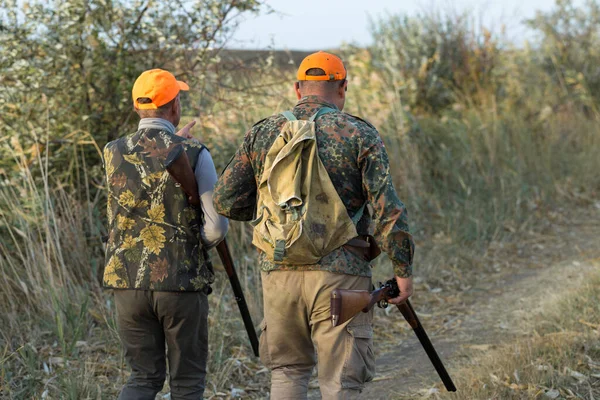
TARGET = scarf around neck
(157,123)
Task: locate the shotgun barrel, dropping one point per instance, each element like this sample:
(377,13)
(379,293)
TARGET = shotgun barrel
(225,255)
(411,317)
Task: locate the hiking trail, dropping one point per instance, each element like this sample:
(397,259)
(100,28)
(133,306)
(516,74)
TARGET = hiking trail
(497,308)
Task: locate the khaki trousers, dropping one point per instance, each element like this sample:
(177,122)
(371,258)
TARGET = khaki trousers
(297,325)
(147,320)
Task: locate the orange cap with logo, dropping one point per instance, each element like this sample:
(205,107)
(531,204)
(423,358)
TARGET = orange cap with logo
(158,85)
(331,64)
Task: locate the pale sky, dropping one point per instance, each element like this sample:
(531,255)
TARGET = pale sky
(319,24)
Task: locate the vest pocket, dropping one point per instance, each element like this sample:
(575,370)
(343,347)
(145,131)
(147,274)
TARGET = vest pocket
(359,366)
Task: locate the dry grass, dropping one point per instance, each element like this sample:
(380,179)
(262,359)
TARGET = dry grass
(58,337)
(560,359)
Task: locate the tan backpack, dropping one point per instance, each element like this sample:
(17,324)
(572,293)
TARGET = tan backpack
(300,216)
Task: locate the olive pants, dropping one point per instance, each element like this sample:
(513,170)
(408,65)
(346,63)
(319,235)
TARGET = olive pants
(146,321)
(297,324)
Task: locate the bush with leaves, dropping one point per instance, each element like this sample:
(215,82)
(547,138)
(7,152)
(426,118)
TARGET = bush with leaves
(487,131)
(432,58)
(68,66)
(570,50)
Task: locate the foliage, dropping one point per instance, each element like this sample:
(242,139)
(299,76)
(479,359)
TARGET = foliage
(58,335)
(432,58)
(68,66)
(570,50)
(481,132)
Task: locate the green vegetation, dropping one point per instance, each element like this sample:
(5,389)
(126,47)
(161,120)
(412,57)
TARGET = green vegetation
(485,137)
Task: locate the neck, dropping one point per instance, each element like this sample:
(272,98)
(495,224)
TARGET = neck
(320,97)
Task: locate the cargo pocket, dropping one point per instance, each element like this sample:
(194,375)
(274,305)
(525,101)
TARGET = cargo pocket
(263,346)
(359,366)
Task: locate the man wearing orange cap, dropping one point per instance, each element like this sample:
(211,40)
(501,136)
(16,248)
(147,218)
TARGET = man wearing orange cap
(156,255)
(297,332)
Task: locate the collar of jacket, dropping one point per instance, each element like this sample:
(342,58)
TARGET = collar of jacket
(315,100)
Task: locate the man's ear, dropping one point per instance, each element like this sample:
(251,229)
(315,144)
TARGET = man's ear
(297,90)
(175,106)
(343,88)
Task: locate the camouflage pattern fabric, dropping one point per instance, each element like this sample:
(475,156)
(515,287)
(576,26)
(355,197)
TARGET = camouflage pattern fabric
(154,233)
(357,163)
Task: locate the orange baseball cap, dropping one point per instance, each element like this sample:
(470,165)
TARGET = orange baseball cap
(158,85)
(331,64)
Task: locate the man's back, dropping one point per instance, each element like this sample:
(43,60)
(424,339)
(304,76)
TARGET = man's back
(154,240)
(297,330)
(340,139)
(156,258)
(355,159)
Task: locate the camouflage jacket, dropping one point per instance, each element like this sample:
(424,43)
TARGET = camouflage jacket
(357,163)
(154,233)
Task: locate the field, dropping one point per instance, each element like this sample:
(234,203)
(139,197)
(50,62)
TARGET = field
(494,149)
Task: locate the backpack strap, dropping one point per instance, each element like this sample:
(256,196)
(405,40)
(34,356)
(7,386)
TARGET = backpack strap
(359,214)
(289,115)
(321,111)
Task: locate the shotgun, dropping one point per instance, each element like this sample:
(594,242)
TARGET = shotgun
(345,304)
(227,261)
(178,165)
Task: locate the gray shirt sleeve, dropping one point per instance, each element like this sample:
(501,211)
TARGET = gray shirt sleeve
(215,226)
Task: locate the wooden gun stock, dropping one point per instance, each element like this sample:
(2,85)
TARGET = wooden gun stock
(345,304)
(178,165)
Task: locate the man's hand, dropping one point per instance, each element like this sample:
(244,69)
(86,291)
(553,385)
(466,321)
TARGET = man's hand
(406,290)
(185,131)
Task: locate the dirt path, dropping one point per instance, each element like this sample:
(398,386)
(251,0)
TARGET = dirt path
(495,309)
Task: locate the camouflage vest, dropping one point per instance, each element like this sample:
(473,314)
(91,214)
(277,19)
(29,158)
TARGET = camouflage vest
(154,233)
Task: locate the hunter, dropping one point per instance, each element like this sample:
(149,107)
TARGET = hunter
(156,254)
(305,177)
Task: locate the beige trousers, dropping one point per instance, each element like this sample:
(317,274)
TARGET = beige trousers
(297,324)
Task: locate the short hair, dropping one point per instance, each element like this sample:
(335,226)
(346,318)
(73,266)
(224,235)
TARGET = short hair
(327,85)
(154,112)
(315,72)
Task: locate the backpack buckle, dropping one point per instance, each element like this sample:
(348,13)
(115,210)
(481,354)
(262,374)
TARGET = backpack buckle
(279,251)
